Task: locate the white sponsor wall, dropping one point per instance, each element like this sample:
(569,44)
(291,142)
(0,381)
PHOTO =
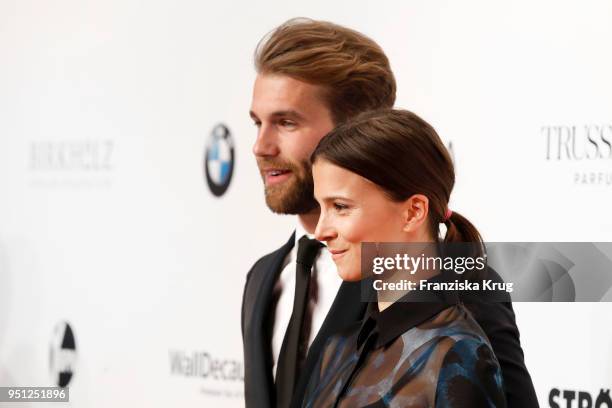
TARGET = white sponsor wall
(107,222)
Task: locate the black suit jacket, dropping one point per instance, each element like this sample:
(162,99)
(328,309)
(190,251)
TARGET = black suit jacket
(496,319)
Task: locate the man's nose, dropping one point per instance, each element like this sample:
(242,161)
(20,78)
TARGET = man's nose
(266,143)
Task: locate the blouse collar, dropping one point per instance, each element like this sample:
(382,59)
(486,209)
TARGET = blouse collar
(403,315)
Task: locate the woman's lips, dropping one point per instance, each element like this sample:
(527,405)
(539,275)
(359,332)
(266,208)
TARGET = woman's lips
(337,253)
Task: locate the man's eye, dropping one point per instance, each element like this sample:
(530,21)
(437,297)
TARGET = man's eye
(287,123)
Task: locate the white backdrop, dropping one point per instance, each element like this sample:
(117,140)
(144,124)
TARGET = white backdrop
(107,222)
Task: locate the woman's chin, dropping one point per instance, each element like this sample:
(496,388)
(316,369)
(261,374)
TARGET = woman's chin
(349,276)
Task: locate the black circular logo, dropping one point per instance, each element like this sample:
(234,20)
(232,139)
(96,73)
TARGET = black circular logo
(62,354)
(219,160)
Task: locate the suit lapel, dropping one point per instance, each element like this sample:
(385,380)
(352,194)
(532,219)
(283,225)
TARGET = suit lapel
(259,390)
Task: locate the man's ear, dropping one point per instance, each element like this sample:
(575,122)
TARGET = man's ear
(416,210)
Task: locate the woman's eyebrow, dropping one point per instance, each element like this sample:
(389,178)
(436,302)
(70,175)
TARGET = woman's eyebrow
(336,197)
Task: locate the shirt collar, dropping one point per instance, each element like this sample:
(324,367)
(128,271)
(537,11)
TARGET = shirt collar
(401,316)
(300,232)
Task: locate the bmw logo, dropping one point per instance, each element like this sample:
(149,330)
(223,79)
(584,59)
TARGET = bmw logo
(451,151)
(219,160)
(62,355)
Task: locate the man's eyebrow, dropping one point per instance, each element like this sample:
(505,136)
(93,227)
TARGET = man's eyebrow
(289,113)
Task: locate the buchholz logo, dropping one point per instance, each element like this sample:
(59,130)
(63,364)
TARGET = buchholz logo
(219,160)
(71,155)
(71,163)
(62,354)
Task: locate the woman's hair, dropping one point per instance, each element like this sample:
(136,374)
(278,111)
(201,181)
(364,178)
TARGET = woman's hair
(352,69)
(403,155)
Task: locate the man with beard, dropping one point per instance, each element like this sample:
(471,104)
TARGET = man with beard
(311,76)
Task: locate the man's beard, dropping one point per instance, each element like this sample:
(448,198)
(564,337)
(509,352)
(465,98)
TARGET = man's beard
(295,195)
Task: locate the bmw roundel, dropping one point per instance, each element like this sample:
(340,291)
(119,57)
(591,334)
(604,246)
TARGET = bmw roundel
(219,160)
(63,354)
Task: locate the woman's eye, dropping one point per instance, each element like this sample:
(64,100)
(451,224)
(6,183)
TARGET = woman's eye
(340,207)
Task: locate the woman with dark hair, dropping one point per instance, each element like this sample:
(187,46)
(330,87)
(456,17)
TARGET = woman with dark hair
(387,177)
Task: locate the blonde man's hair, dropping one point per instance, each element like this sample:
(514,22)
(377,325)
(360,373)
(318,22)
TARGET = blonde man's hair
(352,69)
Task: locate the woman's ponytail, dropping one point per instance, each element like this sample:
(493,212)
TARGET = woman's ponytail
(460,229)
(463,240)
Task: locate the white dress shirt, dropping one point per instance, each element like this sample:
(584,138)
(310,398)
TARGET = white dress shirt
(324,284)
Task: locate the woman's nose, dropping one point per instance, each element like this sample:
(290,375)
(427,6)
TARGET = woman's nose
(324,230)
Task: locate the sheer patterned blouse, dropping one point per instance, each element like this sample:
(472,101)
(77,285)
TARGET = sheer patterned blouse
(410,355)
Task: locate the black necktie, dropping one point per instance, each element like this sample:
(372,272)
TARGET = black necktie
(291,354)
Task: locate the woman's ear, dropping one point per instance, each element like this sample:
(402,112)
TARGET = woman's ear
(416,210)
